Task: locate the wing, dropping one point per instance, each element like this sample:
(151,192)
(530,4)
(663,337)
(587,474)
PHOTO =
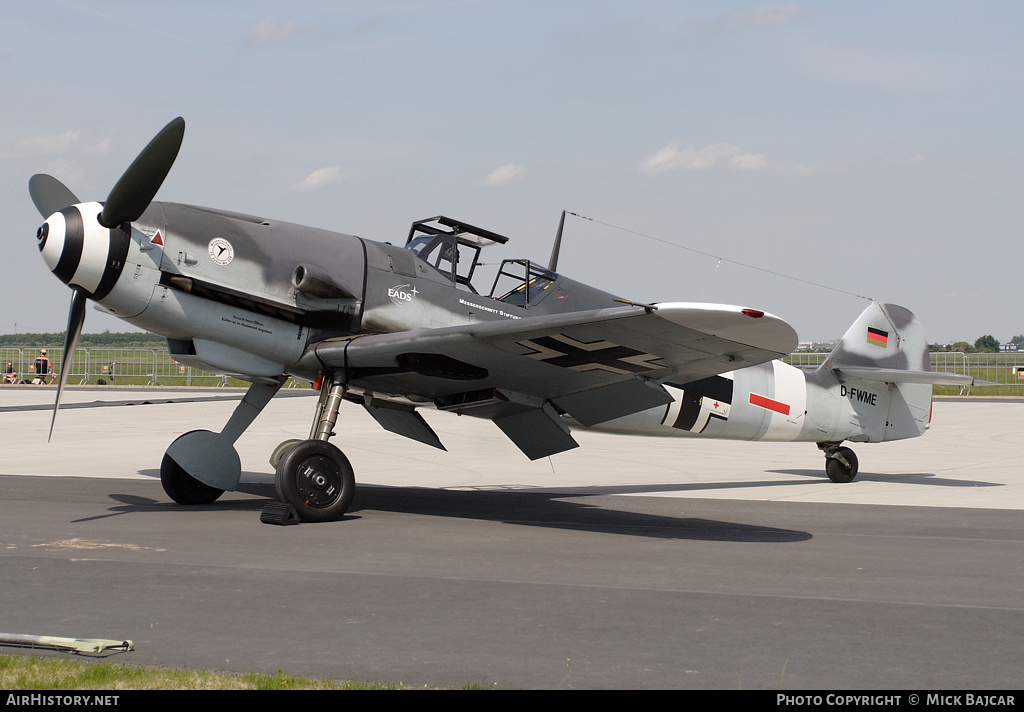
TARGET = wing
(523,374)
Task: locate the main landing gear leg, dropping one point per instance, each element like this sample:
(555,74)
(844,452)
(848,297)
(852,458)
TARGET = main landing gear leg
(200,465)
(840,462)
(314,476)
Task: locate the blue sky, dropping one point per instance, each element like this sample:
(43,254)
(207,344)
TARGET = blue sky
(872,148)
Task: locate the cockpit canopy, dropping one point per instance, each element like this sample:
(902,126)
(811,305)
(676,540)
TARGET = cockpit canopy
(522,282)
(452,247)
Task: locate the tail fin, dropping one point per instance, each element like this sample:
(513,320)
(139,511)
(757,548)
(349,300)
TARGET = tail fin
(887,345)
(886,337)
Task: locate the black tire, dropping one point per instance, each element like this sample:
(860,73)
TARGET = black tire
(182,487)
(316,478)
(837,471)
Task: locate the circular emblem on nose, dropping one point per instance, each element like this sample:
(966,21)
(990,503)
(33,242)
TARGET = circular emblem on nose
(221,251)
(41,234)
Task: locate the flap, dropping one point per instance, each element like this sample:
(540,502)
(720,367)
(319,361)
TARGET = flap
(403,421)
(613,401)
(538,432)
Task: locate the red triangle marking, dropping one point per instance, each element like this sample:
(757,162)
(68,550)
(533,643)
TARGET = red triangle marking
(157,239)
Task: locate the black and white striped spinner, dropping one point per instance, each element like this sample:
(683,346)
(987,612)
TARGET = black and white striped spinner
(81,252)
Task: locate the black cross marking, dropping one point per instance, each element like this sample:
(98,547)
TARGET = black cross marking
(714,391)
(567,352)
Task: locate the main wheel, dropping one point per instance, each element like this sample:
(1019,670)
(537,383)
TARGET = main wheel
(837,470)
(182,487)
(316,478)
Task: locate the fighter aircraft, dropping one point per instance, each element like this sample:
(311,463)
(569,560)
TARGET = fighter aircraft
(397,328)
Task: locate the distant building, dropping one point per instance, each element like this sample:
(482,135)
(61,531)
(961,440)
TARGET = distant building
(815,346)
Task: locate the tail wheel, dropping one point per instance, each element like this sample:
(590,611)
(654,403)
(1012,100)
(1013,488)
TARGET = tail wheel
(841,466)
(182,487)
(316,478)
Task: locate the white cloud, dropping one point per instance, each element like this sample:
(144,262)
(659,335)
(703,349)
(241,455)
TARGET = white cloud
(509,173)
(319,178)
(100,149)
(674,157)
(49,145)
(749,162)
(268,32)
(69,171)
(800,170)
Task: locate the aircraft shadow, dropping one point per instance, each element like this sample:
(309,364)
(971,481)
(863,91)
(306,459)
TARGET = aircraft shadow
(583,511)
(915,478)
(565,511)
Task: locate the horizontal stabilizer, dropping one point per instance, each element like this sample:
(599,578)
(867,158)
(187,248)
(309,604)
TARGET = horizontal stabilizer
(895,375)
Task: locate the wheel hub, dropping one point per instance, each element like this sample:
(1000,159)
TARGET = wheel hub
(319,481)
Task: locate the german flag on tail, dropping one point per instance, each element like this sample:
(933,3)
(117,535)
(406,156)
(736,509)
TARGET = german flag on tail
(878,337)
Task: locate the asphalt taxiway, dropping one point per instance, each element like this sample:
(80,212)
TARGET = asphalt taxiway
(630,562)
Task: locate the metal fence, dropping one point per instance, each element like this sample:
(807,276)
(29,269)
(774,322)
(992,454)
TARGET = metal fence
(1004,369)
(146,367)
(805,360)
(155,367)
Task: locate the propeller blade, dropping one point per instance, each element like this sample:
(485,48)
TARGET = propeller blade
(49,194)
(76,317)
(135,190)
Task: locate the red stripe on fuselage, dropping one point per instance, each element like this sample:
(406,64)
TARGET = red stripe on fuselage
(769,404)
